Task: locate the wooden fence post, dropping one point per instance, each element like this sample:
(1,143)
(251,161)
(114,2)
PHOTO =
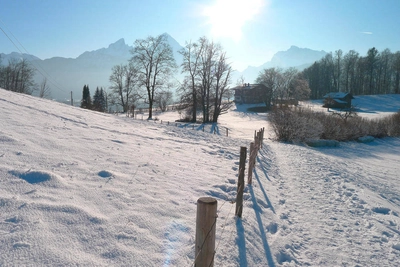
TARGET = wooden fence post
(206,221)
(240,185)
(256,143)
(227,130)
(251,163)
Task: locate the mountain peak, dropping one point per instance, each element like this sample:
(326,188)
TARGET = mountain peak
(118,44)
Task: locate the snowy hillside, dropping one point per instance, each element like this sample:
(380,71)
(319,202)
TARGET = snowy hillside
(89,189)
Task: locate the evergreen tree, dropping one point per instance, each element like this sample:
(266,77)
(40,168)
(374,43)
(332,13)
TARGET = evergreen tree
(99,100)
(103,103)
(86,101)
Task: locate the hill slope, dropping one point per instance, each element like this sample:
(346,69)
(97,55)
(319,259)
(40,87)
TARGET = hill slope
(84,188)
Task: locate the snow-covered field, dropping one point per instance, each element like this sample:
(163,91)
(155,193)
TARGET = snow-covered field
(80,188)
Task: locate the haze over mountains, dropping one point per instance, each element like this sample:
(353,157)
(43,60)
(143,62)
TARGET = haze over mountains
(94,67)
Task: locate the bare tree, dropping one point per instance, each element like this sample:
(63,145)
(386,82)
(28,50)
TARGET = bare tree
(154,61)
(44,90)
(240,81)
(206,74)
(124,80)
(396,68)
(17,76)
(163,99)
(337,71)
(191,63)
(206,84)
(223,72)
(117,85)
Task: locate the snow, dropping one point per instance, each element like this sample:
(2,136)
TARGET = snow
(83,188)
(370,106)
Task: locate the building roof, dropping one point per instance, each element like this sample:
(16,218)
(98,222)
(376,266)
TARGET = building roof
(337,95)
(246,86)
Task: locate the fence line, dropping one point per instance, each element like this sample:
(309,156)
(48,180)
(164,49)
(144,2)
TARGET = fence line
(214,128)
(207,214)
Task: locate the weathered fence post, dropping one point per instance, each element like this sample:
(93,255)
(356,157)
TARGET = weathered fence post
(251,163)
(256,143)
(262,136)
(259,140)
(240,185)
(206,221)
(227,130)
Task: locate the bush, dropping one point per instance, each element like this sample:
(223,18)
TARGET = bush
(299,125)
(393,124)
(295,124)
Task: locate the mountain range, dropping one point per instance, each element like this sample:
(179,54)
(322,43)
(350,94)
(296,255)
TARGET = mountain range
(66,75)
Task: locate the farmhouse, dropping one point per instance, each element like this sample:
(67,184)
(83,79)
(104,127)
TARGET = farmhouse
(338,100)
(249,93)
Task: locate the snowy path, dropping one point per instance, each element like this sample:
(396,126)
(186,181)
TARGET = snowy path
(329,212)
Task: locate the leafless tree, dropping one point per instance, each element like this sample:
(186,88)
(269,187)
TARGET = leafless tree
(153,58)
(241,80)
(163,99)
(191,63)
(17,76)
(124,80)
(44,90)
(222,74)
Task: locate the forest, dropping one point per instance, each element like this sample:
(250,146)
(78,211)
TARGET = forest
(375,73)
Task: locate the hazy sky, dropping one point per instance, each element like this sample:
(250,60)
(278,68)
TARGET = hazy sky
(251,31)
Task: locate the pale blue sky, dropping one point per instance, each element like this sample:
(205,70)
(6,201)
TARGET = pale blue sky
(251,31)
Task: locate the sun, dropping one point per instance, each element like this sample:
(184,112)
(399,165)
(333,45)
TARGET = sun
(227,17)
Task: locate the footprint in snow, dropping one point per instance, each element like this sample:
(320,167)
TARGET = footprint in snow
(105,174)
(381,210)
(32,177)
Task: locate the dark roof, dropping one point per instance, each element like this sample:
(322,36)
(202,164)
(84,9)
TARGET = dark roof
(246,86)
(337,95)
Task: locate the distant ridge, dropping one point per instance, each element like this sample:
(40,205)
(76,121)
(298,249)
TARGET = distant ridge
(297,57)
(94,67)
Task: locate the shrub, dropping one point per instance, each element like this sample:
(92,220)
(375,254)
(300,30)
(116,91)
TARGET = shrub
(295,124)
(299,125)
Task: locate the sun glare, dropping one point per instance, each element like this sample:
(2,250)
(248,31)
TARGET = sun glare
(227,17)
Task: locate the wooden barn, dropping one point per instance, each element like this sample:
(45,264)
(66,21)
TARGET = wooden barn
(249,93)
(338,100)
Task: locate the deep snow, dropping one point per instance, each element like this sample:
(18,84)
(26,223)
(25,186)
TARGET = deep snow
(83,188)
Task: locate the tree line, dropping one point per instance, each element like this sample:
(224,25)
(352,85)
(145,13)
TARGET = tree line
(17,76)
(375,73)
(283,85)
(148,76)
